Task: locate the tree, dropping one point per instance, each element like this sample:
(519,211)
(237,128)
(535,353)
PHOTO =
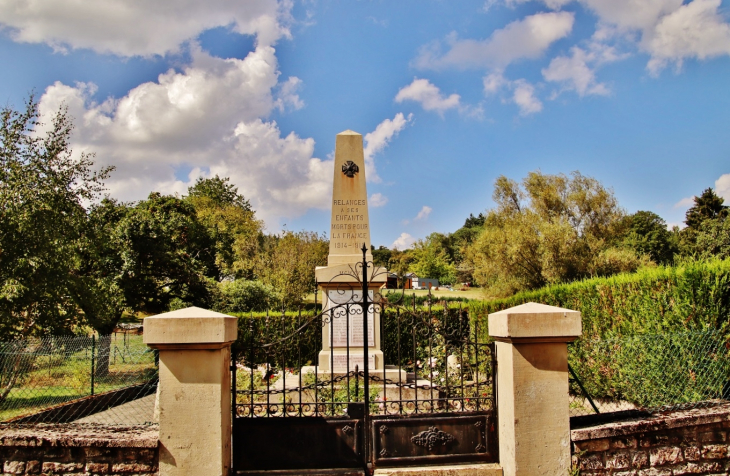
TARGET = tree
(430,259)
(43,187)
(647,233)
(549,229)
(287,261)
(708,206)
(165,253)
(381,255)
(232,224)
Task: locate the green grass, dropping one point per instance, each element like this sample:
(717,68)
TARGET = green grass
(58,378)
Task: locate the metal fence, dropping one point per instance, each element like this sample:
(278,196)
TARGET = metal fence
(107,379)
(650,373)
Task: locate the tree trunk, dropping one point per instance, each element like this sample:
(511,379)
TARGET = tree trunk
(103,351)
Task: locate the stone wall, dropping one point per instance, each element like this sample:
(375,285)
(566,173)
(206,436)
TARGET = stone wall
(83,449)
(676,443)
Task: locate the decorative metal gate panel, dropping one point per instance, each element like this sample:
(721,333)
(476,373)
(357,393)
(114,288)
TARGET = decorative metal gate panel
(303,403)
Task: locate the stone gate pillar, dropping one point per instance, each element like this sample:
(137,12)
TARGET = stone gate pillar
(532,387)
(194,390)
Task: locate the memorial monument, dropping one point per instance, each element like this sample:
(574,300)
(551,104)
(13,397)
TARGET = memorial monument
(349,230)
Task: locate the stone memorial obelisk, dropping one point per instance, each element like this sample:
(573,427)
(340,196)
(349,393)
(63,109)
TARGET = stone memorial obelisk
(349,230)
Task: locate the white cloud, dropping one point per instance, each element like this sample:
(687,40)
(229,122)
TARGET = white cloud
(404,241)
(722,187)
(669,31)
(694,30)
(524,96)
(207,119)
(379,139)
(424,213)
(685,202)
(574,73)
(377,200)
(141,28)
(493,83)
(525,38)
(428,95)
(287,97)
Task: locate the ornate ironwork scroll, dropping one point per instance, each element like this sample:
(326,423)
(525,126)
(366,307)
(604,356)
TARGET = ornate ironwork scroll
(431,438)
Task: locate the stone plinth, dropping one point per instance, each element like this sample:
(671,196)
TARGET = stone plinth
(532,386)
(194,390)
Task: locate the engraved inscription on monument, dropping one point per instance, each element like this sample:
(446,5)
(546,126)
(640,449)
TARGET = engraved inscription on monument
(350,219)
(340,322)
(340,362)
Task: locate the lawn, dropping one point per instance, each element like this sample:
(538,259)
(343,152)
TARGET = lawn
(58,373)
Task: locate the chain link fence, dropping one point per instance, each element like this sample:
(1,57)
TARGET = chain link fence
(649,373)
(110,379)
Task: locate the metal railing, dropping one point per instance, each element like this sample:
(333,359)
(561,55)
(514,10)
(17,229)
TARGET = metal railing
(108,379)
(650,373)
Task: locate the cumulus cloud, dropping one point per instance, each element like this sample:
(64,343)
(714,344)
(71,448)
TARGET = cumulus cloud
(377,200)
(378,139)
(575,73)
(404,241)
(287,97)
(428,95)
(525,38)
(669,31)
(149,28)
(209,118)
(694,30)
(722,187)
(524,96)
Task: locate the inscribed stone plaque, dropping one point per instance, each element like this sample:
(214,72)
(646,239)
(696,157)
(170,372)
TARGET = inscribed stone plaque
(339,362)
(339,324)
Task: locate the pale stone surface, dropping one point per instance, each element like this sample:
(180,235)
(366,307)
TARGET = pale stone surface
(535,321)
(341,279)
(194,390)
(192,325)
(444,470)
(350,225)
(532,385)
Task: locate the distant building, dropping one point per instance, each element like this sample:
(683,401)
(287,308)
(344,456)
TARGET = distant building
(392,282)
(424,283)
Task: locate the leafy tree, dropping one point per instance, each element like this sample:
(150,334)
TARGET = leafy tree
(232,224)
(42,218)
(430,259)
(165,253)
(399,263)
(549,229)
(245,296)
(708,206)
(647,233)
(713,239)
(381,255)
(219,191)
(287,261)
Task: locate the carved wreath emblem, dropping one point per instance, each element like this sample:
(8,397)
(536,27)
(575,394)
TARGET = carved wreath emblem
(350,168)
(431,438)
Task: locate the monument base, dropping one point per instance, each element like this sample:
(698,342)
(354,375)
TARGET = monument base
(395,374)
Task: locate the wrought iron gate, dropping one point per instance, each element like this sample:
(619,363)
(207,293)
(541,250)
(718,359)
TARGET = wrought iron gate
(434,403)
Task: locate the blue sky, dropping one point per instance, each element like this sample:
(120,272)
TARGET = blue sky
(448,96)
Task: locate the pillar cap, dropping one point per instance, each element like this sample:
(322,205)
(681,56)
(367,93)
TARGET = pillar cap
(535,322)
(191,325)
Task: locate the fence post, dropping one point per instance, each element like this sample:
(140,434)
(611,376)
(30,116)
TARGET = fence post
(93,370)
(194,391)
(532,387)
